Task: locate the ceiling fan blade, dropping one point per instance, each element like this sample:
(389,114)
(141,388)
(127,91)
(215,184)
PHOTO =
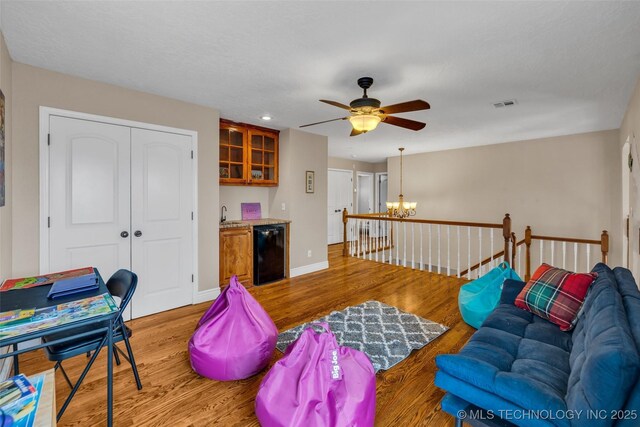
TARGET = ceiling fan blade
(355,132)
(404,123)
(405,107)
(325,121)
(336,104)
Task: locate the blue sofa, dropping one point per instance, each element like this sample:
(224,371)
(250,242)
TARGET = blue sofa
(519,369)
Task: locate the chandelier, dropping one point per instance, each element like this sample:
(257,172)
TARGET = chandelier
(401,209)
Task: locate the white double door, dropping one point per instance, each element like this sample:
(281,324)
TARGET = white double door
(122,197)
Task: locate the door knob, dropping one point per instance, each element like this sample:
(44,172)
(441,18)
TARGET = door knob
(138,233)
(124,234)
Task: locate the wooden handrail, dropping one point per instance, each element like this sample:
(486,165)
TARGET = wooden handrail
(486,261)
(428,221)
(566,239)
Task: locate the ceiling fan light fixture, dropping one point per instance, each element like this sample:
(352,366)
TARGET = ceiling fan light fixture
(364,122)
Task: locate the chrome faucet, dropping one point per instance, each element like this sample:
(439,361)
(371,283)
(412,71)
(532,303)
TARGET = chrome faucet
(223,218)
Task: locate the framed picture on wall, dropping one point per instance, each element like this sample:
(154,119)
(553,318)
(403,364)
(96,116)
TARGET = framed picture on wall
(2,180)
(310,181)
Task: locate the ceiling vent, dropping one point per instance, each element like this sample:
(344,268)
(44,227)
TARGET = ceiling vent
(506,103)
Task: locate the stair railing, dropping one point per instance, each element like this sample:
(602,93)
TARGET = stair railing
(425,244)
(570,248)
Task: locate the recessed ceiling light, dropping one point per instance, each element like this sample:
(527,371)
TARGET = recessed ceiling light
(265,118)
(353,156)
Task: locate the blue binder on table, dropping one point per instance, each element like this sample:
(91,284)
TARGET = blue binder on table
(74,285)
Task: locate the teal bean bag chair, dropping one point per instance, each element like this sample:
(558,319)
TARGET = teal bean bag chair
(477,299)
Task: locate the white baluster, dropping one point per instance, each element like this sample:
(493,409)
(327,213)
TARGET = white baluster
(413,247)
(439,263)
(588,258)
(458,250)
(480,251)
(448,251)
(397,243)
(575,257)
(541,251)
(370,234)
(491,265)
(404,240)
(357,238)
(430,237)
(352,225)
(421,260)
(553,247)
(564,255)
(469,253)
(377,238)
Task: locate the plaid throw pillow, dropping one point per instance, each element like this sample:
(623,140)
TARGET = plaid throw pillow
(555,294)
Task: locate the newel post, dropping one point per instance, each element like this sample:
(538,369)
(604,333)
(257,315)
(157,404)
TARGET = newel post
(604,246)
(344,232)
(506,233)
(527,243)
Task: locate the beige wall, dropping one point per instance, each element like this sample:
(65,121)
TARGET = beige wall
(563,186)
(300,152)
(630,132)
(5,211)
(232,195)
(35,87)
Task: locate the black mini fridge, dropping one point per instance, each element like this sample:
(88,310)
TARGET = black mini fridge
(268,253)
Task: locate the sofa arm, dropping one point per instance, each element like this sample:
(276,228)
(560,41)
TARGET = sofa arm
(510,290)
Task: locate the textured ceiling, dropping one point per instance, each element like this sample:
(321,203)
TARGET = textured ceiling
(571,65)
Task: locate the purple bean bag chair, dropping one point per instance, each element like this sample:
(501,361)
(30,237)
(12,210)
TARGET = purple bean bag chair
(235,338)
(318,383)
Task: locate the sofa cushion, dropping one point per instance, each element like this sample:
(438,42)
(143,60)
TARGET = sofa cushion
(555,294)
(517,356)
(631,300)
(604,361)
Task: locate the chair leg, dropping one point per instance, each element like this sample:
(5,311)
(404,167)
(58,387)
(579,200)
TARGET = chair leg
(116,356)
(79,382)
(132,360)
(122,353)
(64,374)
(459,422)
(16,367)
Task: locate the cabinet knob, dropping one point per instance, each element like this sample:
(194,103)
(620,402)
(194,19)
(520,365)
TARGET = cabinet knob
(124,234)
(138,233)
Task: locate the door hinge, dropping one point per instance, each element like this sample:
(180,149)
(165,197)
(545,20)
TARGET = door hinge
(627,228)
(192,278)
(48,139)
(192,216)
(48,222)
(192,154)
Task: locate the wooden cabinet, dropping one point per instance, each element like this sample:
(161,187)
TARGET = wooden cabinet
(236,255)
(248,154)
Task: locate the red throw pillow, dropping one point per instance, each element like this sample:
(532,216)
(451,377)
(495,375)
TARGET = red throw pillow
(555,294)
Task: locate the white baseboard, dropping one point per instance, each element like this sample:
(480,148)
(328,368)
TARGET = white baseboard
(306,269)
(204,296)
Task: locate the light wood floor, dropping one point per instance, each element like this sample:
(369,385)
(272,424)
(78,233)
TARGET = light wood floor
(173,395)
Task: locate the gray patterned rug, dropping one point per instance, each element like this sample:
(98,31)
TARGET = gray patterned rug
(384,333)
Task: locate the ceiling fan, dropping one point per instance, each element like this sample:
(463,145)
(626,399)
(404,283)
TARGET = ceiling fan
(366,112)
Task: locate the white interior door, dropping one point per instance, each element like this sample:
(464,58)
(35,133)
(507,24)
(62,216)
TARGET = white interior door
(161,217)
(89,187)
(365,193)
(339,197)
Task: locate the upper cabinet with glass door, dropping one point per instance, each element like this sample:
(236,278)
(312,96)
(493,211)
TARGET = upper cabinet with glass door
(248,154)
